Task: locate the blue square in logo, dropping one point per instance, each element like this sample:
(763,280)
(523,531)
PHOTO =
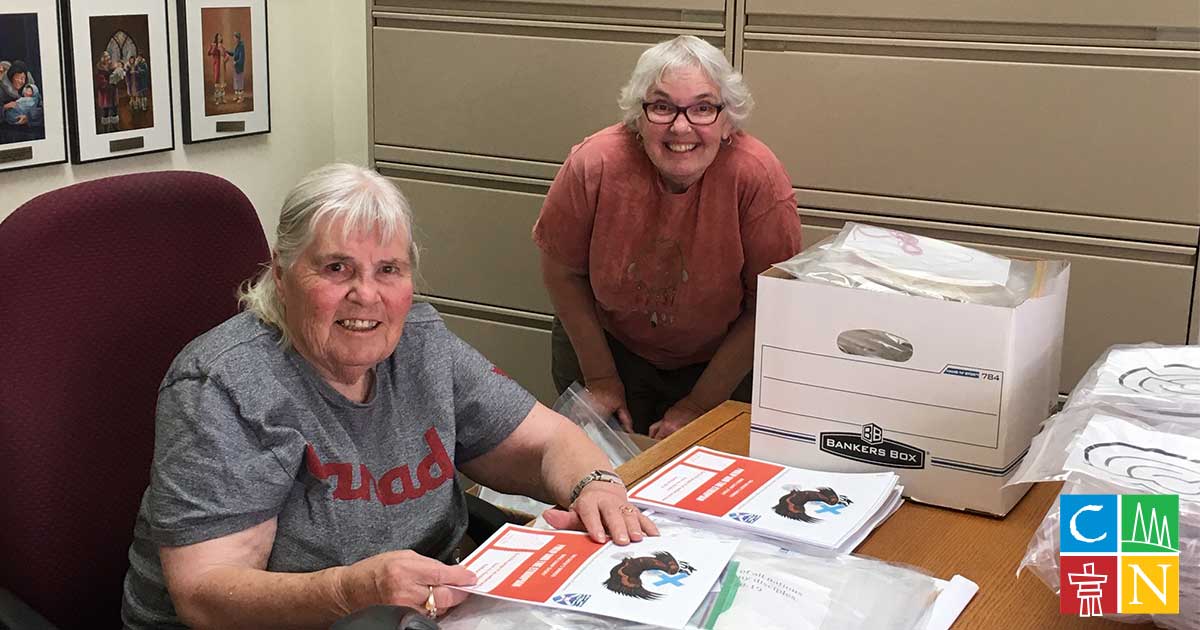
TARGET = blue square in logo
(1088,523)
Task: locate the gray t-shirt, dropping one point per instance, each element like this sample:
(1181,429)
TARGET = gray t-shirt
(246,431)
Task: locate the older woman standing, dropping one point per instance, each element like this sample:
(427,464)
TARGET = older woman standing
(652,236)
(306,448)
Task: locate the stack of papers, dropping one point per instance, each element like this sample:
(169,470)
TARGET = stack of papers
(832,511)
(661,580)
(553,579)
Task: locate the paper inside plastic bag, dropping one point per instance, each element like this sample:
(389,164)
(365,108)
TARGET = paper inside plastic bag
(1137,458)
(900,598)
(1155,387)
(891,261)
(1152,382)
(923,258)
(823,594)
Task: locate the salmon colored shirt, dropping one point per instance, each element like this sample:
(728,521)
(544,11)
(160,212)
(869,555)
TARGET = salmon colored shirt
(670,272)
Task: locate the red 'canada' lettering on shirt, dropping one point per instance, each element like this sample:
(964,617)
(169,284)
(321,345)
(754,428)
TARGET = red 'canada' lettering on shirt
(385,488)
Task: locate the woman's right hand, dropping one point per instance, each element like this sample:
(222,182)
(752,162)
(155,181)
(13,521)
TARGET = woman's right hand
(401,578)
(608,394)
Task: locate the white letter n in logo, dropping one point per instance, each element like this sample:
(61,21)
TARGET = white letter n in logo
(1140,576)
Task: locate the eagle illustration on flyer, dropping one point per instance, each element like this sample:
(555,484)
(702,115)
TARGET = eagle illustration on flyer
(661,580)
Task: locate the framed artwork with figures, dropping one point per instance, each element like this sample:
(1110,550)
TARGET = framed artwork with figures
(224,82)
(119,78)
(32,113)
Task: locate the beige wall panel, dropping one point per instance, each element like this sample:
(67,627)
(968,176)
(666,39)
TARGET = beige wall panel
(1111,300)
(522,353)
(529,98)
(1108,141)
(476,245)
(1177,13)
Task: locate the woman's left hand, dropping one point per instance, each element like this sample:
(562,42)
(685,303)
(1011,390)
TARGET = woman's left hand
(603,507)
(675,419)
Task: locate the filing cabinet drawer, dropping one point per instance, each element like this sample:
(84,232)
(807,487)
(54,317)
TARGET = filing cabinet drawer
(502,95)
(1153,13)
(521,352)
(476,245)
(620,11)
(854,115)
(1112,300)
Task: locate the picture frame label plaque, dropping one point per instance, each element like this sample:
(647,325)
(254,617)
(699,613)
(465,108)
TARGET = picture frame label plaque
(127,144)
(16,155)
(231,125)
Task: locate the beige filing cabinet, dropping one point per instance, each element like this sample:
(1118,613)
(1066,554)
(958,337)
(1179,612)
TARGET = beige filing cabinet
(1065,129)
(474,106)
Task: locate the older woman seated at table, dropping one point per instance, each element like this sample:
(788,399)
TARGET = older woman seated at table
(652,236)
(306,448)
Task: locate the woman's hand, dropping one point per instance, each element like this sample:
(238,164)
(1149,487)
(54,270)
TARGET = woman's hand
(675,418)
(608,394)
(10,105)
(603,507)
(401,578)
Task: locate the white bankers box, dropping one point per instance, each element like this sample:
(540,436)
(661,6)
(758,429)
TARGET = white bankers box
(953,418)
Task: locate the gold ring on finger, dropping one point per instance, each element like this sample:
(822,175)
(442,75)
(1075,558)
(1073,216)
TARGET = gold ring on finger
(431,604)
(628,509)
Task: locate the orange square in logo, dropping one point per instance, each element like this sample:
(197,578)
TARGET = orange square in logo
(1149,585)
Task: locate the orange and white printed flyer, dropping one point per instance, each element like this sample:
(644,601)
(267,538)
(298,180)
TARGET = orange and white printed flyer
(661,580)
(807,506)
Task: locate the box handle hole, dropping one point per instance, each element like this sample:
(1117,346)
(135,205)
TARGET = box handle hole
(878,344)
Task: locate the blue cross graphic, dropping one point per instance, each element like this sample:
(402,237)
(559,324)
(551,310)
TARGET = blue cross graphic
(673,580)
(836,509)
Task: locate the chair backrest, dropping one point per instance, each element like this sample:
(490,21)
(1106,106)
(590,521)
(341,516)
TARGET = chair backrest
(102,283)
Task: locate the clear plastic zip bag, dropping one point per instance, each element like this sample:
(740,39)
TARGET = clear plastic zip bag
(577,405)
(1131,426)
(891,261)
(604,430)
(1155,387)
(1042,554)
(1151,382)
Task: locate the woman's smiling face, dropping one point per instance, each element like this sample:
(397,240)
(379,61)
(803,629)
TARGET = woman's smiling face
(680,150)
(345,300)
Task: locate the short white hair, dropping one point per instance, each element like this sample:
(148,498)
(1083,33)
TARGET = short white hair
(685,51)
(360,198)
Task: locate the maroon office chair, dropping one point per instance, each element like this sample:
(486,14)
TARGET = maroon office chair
(101,284)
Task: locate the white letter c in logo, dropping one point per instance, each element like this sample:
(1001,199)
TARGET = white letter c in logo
(1075,530)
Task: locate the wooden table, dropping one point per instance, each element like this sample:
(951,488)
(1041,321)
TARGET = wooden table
(939,541)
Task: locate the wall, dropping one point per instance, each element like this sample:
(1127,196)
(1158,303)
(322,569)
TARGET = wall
(348,31)
(318,114)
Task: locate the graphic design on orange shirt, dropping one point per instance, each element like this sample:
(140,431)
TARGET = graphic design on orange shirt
(656,275)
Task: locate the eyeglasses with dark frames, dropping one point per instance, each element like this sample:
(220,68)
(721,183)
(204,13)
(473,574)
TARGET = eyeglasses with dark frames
(665,113)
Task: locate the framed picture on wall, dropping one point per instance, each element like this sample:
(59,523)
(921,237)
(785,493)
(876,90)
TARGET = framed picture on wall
(32,115)
(119,78)
(224,82)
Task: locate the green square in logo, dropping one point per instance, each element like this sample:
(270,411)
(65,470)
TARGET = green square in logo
(1150,523)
